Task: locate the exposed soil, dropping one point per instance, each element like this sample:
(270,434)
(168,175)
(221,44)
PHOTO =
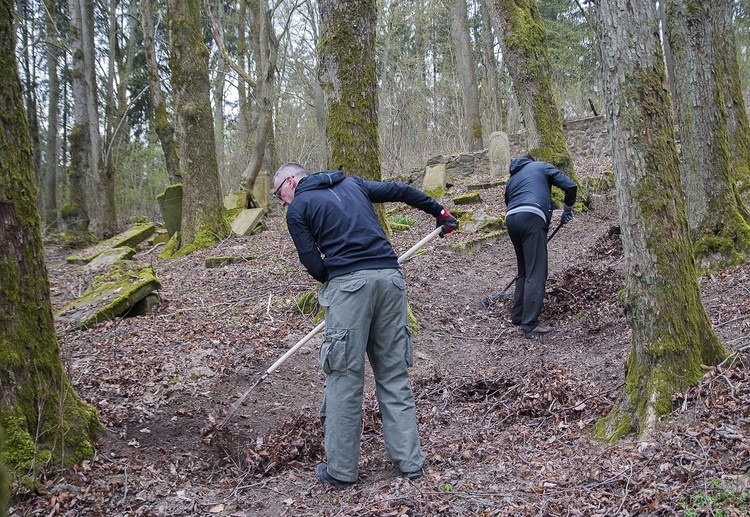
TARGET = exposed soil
(505,421)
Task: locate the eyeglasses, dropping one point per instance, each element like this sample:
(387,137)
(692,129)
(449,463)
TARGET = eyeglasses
(277,192)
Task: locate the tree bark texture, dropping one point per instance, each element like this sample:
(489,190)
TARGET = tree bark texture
(671,333)
(720,234)
(734,102)
(473,140)
(202,209)
(75,211)
(162,125)
(268,47)
(525,49)
(347,75)
(42,417)
(53,120)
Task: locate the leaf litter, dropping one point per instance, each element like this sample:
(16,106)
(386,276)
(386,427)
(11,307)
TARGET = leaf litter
(505,422)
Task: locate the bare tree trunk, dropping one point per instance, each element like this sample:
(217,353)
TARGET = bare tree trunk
(737,119)
(218,89)
(35,392)
(53,110)
(162,125)
(671,333)
(493,94)
(106,187)
(92,101)
(347,75)
(466,72)
(75,211)
(268,47)
(202,208)
(525,50)
(720,234)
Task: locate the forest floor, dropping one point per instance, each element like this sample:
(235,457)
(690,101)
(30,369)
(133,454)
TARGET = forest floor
(506,422)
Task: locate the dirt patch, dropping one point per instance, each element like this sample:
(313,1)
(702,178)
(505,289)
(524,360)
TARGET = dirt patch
(505,421)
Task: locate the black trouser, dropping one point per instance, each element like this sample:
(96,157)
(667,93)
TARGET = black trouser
(528,233)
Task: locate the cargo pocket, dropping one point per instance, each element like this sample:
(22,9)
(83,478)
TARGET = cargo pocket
(333,351)
(408,346)
(398,281)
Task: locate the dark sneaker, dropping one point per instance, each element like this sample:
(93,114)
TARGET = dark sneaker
(412,475)
(538,331)
(326,478)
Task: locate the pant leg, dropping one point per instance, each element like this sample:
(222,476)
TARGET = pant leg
(349,307)
(516,232)
(390,351)
(535,258)
(528,233)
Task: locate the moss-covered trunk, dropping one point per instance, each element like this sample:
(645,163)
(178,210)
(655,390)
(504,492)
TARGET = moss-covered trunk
(75,211)
(347,75)
(203,220)
(672,335)
(42,417)
(162,124)
(524,42)
(720,233)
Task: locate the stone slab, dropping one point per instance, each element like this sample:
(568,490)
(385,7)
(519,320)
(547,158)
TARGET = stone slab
(247,220)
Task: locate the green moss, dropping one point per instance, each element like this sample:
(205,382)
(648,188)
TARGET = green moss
(467,199)
(436,193)
(170,247)
(4,483)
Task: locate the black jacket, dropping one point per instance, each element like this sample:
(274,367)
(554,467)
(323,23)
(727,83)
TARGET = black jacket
(334,226)
(530,185)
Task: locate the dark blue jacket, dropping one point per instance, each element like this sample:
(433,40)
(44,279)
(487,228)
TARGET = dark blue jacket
(334,226)
(530,185)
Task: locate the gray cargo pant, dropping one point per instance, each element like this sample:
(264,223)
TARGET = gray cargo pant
(366,314)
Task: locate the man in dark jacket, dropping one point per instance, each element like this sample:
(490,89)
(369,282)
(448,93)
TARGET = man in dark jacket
(341,243)
(529,199)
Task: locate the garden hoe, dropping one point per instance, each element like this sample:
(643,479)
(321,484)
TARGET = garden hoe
(408,253)
(507,291)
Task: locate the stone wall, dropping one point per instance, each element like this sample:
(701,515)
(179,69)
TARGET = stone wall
(587,137)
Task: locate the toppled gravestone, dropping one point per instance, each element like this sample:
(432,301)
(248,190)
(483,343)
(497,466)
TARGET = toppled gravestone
(112,294)
(119,285)
(130,238)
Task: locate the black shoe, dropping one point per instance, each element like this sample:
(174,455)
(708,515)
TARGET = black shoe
(326,478)
(412,475)
(538,331)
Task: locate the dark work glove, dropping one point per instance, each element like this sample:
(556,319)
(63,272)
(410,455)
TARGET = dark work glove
(567,215)
(447,221)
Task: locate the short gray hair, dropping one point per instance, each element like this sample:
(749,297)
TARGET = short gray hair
(295,170)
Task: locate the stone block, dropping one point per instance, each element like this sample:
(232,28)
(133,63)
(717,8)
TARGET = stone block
(170,204)
(433,183)
(247,220)
(236,199)
(499,152)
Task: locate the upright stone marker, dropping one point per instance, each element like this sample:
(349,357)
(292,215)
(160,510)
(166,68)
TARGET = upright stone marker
(433,183)
(170,204)
(499,152)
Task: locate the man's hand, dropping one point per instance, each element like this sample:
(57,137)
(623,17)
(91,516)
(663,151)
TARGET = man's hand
(447,221)
(567,215)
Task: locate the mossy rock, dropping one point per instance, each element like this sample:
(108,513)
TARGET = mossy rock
(110,299)
(467,247)
(485,186)
(130,238)
(467,199)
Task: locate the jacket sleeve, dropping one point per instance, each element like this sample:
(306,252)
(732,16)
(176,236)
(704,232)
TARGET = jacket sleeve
(308,252)
(394,191)
(563,182)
